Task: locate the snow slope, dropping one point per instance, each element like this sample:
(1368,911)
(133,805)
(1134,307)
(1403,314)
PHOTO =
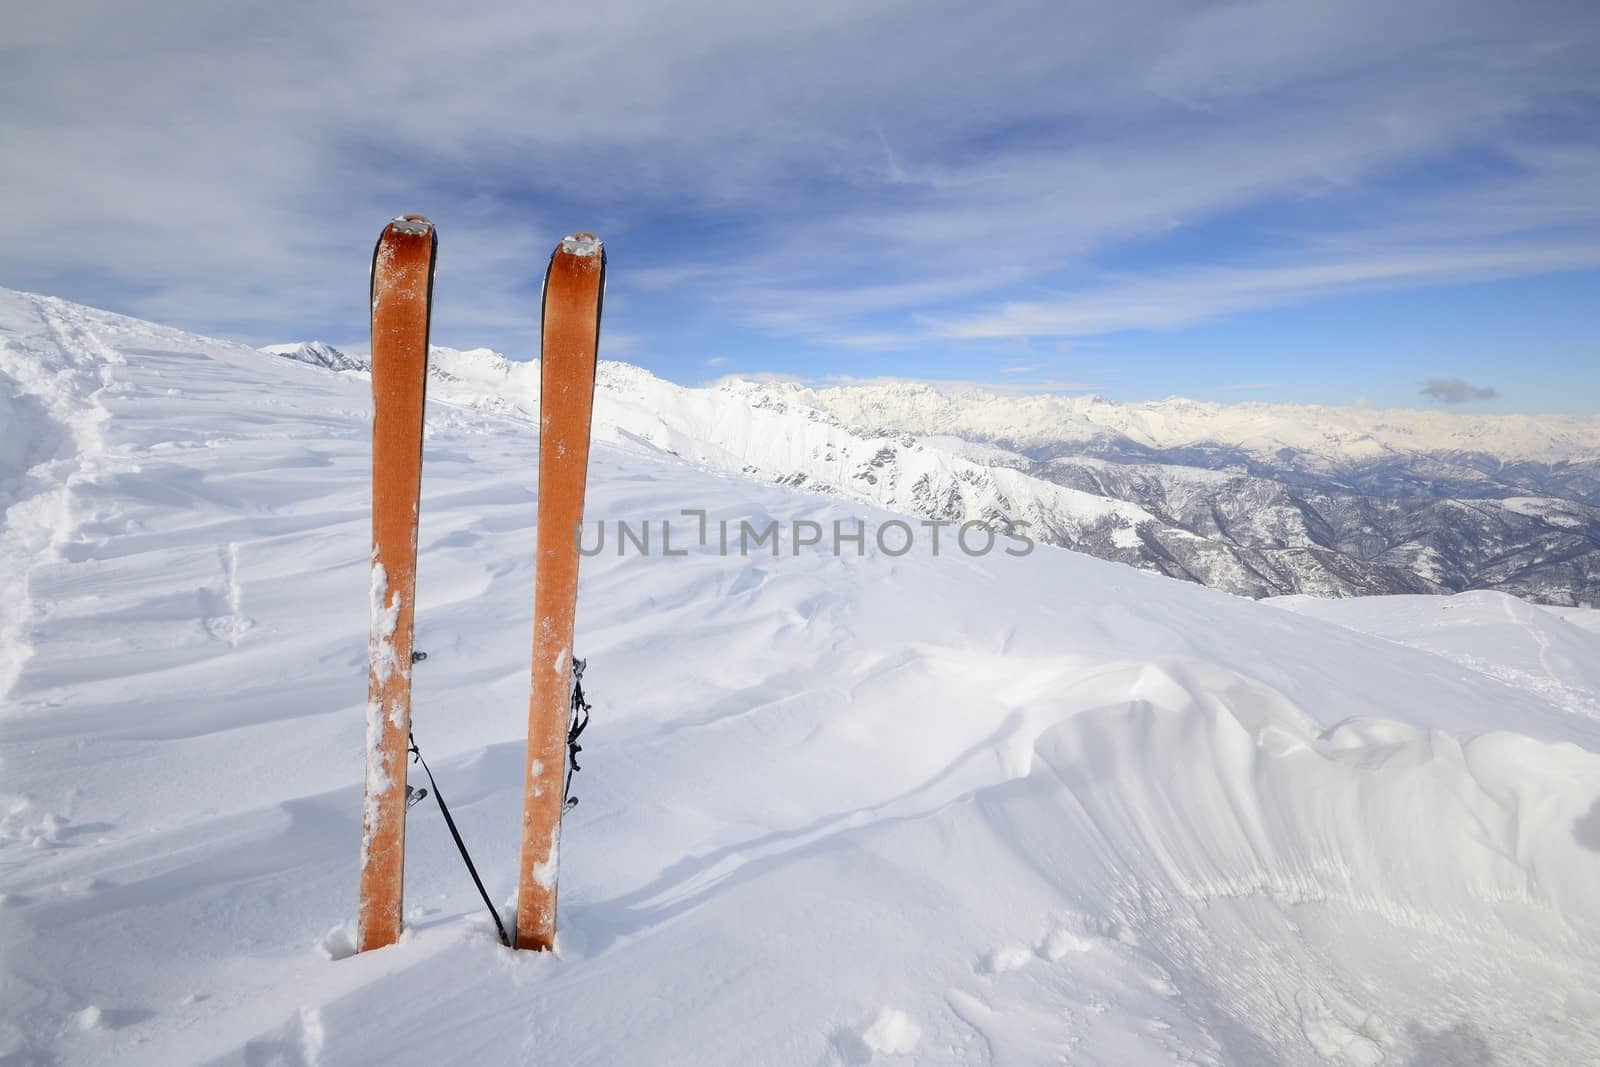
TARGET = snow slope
(1550,651)
(835,809)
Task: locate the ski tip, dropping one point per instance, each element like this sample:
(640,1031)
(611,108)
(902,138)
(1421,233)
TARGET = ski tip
(581,244)
(412,224)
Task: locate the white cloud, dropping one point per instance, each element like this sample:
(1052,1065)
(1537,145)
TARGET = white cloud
(1173,299)
(875,169)
(959,385)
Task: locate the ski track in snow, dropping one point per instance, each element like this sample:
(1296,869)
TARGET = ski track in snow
(53,370)
(1533,648)
(834,810)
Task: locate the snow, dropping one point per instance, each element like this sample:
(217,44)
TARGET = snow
(412,224)
(378,779)
(720,429)
(318,353)
(1585,617)
(581,244)
(385,614)
(892,1032)
(1549,651)
(51,437)
(989,455)
(1555,512)
(545,870)
(836,808)
(1222,528)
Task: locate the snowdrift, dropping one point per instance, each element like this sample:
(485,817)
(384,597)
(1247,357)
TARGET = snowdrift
(834,809)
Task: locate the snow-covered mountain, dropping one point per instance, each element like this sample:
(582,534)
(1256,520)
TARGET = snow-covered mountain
(836,809)
(802,448)
(319,354)
(1327,437)
(1326,539)
(1258,500)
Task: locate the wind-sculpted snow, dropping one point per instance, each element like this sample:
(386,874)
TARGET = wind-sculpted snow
(835,809)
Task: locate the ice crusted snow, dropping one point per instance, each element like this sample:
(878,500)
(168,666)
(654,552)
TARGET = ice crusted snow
(385,611)
(835,809)
(547,869)
(415,225)
(384,660)
(892,1032)
(581,244)
(378,779)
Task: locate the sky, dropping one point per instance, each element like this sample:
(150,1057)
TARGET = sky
(1354,202)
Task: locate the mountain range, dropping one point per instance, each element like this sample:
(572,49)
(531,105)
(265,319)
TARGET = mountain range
(1255,499)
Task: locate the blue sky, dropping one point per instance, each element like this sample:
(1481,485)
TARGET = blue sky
(1333,203)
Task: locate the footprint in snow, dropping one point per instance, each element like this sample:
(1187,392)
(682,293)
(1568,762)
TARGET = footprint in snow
(1063,941)
(220,608)
(888,1033)
(1060,942)
(297,1043)
(1006,959)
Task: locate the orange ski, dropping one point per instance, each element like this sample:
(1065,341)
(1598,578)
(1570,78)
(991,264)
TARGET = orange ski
(402,293)
(573,288)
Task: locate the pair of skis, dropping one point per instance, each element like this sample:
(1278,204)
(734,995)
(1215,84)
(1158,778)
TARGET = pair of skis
(402,291)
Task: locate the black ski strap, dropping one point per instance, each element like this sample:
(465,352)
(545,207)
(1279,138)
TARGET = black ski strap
(575,726)
(460,845)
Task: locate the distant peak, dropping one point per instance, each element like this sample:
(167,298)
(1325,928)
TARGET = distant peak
(318,354)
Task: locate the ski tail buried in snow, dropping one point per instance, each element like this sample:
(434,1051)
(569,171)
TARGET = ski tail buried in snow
(402,297)
(573,289)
